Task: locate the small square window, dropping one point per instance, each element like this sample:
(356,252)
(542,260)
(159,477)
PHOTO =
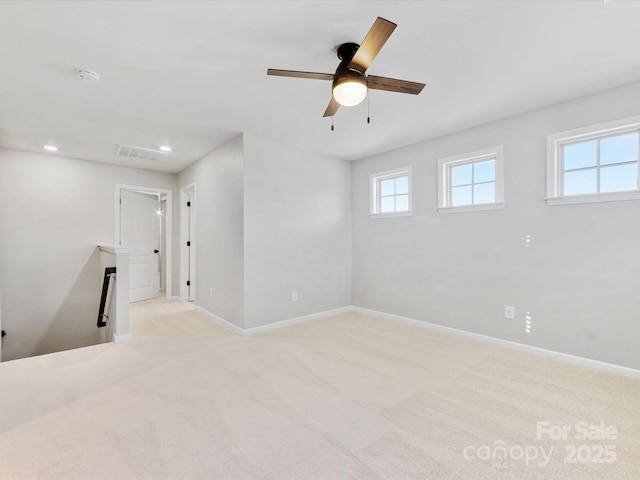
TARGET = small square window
(391,193)
(594,164)
(606,164)
(471,181)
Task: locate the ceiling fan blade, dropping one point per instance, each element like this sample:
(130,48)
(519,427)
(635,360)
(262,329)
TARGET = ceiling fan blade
(296,74)
(332,108)
(394,85)
(371,45)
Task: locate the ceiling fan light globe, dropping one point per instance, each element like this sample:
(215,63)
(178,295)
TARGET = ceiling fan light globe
(350,92)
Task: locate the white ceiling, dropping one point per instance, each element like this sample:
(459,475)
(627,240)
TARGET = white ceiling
(193,74)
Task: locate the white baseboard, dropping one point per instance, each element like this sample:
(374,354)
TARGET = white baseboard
(220,321)
(563,357)
(121,338)
(272,326)
(293,321)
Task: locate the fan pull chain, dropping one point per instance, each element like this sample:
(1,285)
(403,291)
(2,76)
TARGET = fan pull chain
(368,117)
(332,123)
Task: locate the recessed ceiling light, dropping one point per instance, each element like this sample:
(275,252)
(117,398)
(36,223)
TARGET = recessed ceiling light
(165,148)
(51,148)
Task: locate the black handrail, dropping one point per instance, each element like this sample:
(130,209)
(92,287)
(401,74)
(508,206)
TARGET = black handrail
(108,273)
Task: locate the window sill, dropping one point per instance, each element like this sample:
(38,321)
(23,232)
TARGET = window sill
(594,198)
(375,216)
(472,208)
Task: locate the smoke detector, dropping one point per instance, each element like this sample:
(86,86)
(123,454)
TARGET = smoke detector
(87,75)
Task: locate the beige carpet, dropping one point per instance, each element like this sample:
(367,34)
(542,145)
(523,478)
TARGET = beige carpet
(347,397)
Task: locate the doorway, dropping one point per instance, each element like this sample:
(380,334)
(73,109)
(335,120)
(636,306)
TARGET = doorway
(143,222)
(188,243)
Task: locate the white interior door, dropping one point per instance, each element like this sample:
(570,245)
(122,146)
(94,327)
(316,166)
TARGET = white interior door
(139,230)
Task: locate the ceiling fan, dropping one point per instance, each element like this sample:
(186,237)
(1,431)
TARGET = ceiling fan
(350,83)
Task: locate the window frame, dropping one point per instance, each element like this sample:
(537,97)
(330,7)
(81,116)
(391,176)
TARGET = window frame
(444,179)
(555,165)
(374,192)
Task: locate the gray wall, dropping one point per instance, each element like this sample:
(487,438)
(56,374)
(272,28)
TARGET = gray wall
(579,277)
(219,230)
(297,217)
(53,212)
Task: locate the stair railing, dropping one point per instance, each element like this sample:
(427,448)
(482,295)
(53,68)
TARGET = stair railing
(105,299)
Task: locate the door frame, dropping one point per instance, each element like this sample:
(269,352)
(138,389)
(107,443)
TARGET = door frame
(168,228)
(185,229)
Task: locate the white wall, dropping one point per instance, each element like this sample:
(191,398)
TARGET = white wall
(297,232)
(53,212)
(270,220)
(219,230)
(579,278)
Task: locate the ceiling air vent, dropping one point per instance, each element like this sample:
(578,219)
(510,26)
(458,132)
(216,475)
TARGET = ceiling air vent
(137,152)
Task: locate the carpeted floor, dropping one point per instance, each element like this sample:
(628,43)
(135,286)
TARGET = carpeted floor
(346,397)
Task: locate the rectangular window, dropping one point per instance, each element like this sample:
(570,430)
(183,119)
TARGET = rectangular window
(605,164)
(594,164)
(391,193)
(472,181)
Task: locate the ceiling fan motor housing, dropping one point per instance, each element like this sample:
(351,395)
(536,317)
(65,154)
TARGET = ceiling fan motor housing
(346,51)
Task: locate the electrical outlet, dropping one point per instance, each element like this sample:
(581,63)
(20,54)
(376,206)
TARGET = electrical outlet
(510,312)
(211,292)
(294,296)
